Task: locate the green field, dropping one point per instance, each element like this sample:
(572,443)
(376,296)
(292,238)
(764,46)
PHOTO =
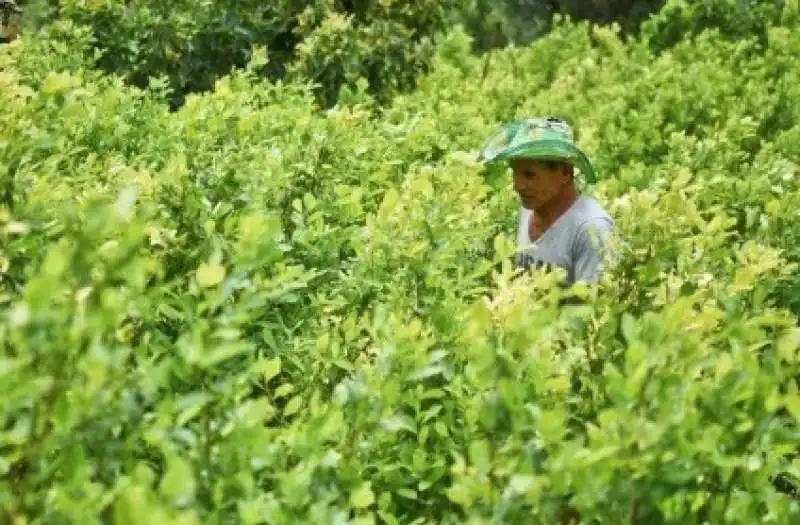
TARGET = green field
(251,309)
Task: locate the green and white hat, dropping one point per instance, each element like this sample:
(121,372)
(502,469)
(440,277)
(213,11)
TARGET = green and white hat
(537,138)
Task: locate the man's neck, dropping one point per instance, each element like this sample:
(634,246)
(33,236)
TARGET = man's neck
(556,208)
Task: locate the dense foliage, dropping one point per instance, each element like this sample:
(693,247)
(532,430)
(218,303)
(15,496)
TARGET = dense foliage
(381,45)
(249,310)
(495,23)
(192,43)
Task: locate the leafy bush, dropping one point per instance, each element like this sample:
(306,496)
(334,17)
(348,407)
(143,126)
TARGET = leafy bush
(193,43)
(251,311)
(496,23)
(733,19)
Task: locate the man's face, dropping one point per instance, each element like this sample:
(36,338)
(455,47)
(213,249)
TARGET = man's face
(536,183)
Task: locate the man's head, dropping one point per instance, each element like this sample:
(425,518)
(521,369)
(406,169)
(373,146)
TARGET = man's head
(538,181)
(543,153)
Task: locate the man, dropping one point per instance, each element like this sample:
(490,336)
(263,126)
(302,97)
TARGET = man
(569,230)
(9,25)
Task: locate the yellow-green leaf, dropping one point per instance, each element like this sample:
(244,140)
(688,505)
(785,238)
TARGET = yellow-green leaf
(362,497)
(284,390)
(209,275)
(793,406)
(788,345)
(272,368)
(293,406)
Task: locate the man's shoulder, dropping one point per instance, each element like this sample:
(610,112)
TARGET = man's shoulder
(590,208)
(589,214)
(593,228)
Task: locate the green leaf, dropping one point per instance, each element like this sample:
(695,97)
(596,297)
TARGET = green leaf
(788,345)
(793,406)
(407,493)
(284,390)
(178,483)
(272,368)
(399,422)
(209,275)
(190,406)
(255,412)
(551,425)
(629,330)
(460,494)
(293,406)
(521,483)
(223,352)
(362,497)
(479,455)
(724,365)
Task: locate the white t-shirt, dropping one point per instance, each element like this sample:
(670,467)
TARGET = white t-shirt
(523,239)
(577,241)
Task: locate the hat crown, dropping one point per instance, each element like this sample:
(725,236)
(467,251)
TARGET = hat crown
(539,127)
(537,138)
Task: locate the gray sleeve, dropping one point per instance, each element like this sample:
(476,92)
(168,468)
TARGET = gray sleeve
(591,249)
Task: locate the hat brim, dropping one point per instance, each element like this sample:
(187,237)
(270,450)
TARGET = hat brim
(546,149)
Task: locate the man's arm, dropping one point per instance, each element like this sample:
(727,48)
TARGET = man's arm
(591,249)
